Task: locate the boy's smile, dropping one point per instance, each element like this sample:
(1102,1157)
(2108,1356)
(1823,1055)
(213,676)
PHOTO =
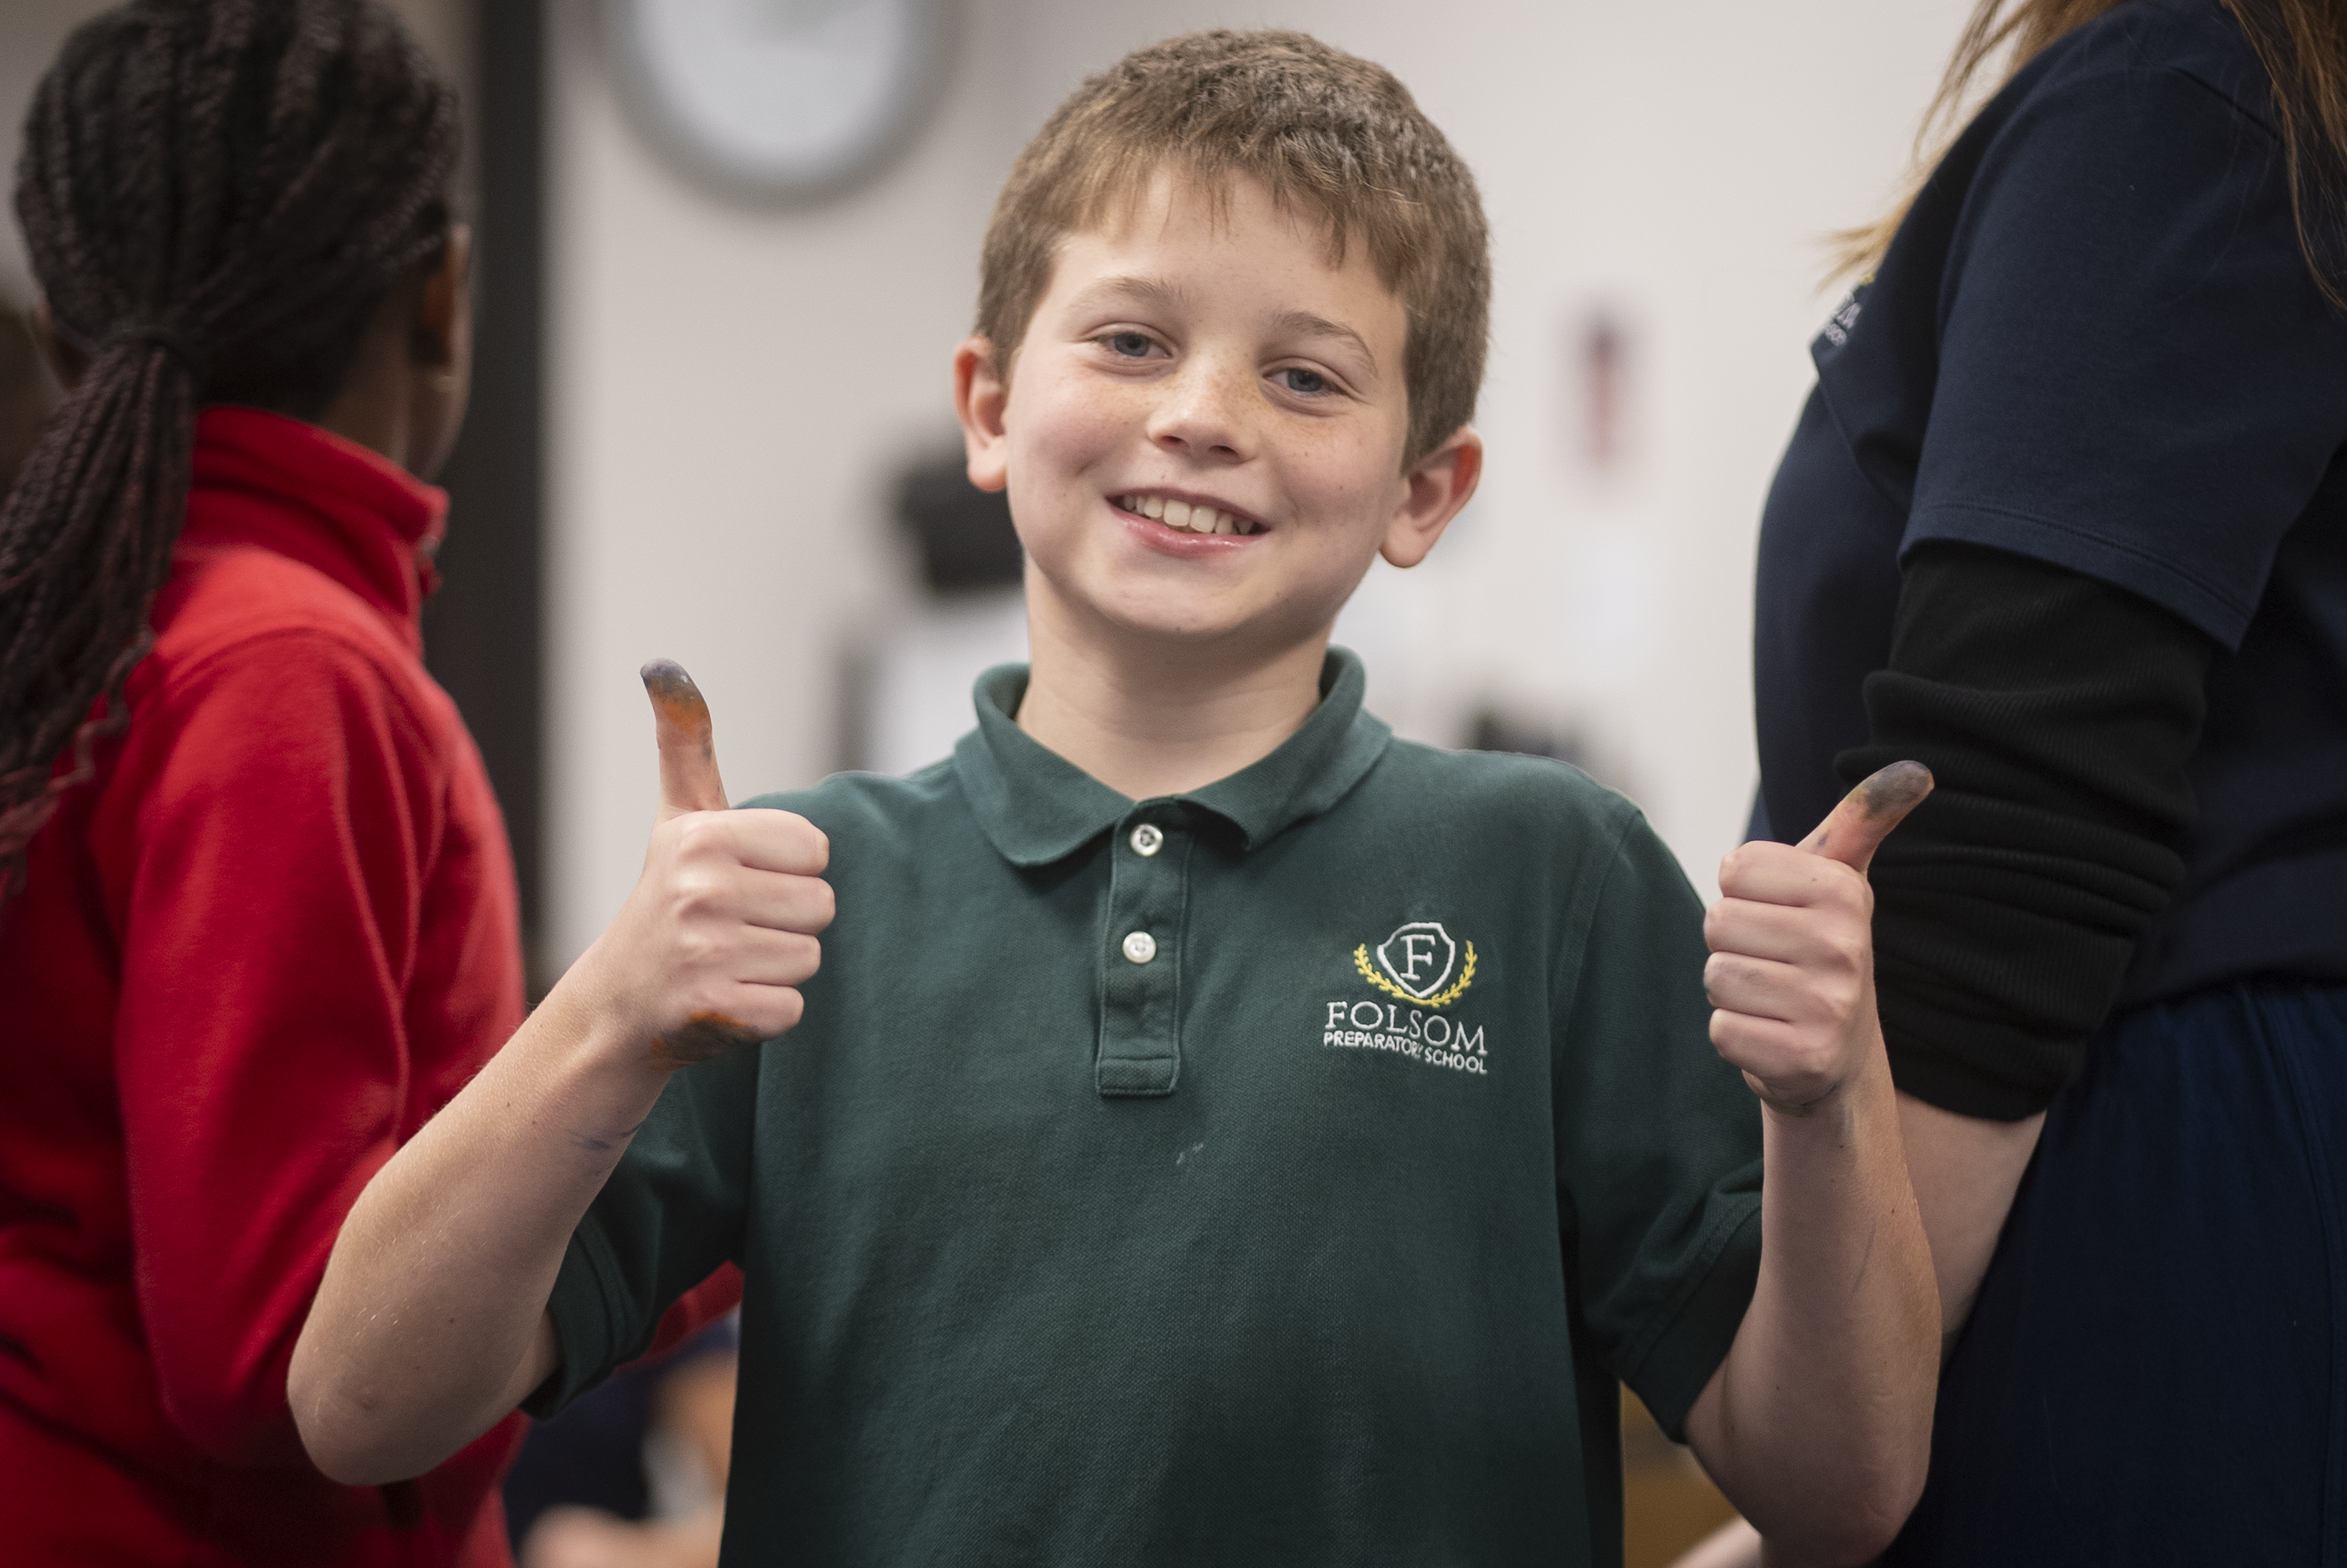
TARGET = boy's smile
(1203,431)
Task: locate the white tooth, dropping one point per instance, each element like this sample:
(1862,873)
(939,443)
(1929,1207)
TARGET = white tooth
(1177,514)
(1225,524)
(1153,506)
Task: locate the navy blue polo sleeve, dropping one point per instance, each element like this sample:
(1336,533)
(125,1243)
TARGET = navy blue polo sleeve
(2139,378)
(670,1216)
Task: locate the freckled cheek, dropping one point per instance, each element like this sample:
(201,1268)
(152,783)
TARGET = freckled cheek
(1346,479)
(1058,440)
(1068,429)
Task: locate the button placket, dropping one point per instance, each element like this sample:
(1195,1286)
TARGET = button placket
(1140,1038)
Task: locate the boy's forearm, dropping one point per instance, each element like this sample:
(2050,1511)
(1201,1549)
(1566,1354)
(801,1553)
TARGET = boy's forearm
(1818,1424)
(1966,1170)
(427,1327)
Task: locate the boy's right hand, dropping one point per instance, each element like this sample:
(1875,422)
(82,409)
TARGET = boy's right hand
(710,947)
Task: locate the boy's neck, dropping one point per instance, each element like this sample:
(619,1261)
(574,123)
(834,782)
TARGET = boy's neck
(1149,723)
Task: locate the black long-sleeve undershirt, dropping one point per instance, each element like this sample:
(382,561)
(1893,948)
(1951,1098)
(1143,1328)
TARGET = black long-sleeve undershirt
(2058,713)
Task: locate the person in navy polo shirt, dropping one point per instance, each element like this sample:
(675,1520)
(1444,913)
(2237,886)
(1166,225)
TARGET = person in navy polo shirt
(2065,519)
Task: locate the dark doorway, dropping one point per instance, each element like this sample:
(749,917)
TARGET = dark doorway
(483,631)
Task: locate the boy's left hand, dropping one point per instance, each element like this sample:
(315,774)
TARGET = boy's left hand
(1792,975)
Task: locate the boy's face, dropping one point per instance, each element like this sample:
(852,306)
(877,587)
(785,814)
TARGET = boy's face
(1214,363)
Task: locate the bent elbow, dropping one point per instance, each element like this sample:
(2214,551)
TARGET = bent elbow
(1863,1528)
(349,1448)
(342,1430)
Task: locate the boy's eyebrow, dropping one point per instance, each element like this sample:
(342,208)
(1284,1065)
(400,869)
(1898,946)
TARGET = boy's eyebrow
(1304,324)
(1145,290)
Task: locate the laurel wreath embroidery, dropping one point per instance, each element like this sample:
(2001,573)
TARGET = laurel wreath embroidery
(1441,998)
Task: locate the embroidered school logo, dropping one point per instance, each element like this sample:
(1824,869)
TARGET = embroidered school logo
(1424,967)
(1419,958)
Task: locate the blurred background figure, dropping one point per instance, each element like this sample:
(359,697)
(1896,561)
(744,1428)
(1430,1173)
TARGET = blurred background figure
(633,1475)
(257,913)
(2065,519)
(723,253)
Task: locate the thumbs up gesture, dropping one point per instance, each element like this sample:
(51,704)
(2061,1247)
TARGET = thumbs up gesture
(1791,973)
(711,945)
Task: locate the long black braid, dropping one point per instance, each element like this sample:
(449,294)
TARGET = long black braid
(217,195)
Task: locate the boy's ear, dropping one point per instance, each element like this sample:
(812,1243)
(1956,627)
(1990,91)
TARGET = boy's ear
(981,395)
(1438,485)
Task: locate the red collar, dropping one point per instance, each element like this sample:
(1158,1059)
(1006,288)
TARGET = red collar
(299,491)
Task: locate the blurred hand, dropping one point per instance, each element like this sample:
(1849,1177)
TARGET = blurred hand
(1791,973)
(569,1537)
(710,947)
(1735,1544)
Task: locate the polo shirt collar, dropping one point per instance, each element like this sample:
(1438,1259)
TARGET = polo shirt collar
(1037,807)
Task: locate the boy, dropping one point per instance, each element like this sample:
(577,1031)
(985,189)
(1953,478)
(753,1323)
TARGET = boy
(1218,1132)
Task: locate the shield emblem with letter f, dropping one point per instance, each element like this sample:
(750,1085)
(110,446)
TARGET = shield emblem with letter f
(1418,956)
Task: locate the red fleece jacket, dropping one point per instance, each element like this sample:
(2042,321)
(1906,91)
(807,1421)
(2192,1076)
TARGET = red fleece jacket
(271,937)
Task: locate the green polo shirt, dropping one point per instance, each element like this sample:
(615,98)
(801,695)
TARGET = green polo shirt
(1280,1173)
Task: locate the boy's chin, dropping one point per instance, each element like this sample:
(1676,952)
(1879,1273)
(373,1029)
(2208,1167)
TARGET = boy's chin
(1191,627)
(1221,639)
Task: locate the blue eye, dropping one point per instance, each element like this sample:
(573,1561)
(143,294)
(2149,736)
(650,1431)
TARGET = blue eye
(1309,382)
(1130,345)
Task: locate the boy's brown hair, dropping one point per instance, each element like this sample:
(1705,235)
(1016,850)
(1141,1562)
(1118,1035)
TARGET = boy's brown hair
(1320,130)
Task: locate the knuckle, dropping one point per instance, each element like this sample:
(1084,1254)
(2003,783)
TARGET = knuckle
(695,896)
(696,949)
(802,958)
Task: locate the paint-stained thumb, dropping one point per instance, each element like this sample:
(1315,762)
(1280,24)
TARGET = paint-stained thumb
(688,752)
(1856,828)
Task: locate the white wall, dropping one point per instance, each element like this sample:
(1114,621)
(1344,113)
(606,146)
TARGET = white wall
(730,392)
(731,386)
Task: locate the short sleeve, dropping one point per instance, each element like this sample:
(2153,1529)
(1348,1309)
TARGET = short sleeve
(670,1214)
(1658,1140)
(2139,378)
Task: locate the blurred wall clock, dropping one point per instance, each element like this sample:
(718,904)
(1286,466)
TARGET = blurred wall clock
(781,102)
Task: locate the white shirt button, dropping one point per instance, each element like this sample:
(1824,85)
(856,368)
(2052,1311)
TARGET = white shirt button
(1147,839)
(1140,946)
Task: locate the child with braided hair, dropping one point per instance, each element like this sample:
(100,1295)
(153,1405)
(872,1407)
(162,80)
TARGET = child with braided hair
(259,918)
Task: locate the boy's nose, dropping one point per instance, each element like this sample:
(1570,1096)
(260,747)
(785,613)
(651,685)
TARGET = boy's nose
(1204,413)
